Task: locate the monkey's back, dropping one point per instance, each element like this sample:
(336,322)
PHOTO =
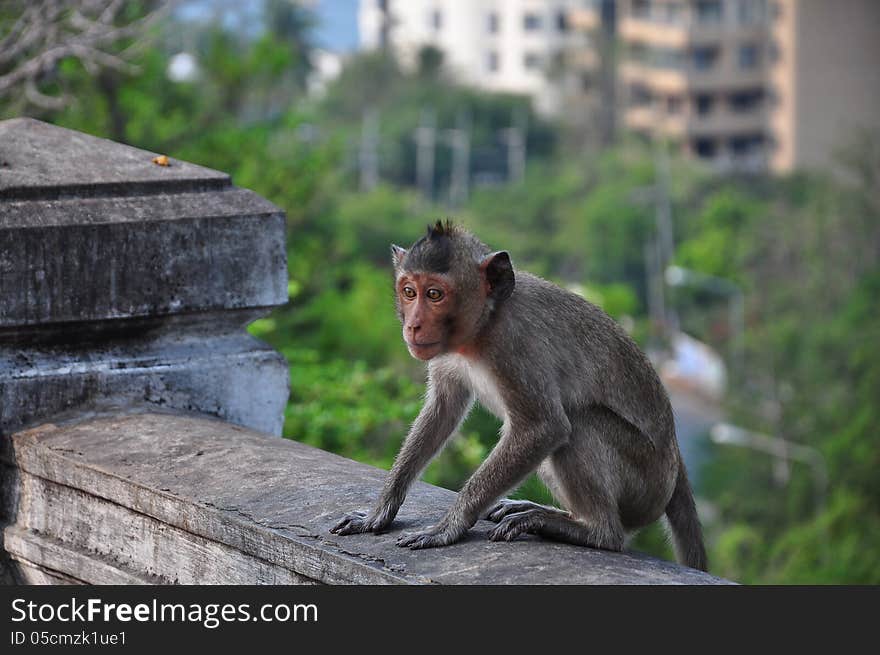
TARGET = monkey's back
(584,354)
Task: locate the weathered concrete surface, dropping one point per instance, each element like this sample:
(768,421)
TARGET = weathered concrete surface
(214,369)
(175,498)
(39,160)
(170,240)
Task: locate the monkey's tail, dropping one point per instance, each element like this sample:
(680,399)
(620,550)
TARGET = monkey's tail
(686,531)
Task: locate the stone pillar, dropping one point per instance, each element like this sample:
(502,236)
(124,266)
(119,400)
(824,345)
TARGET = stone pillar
(124,282)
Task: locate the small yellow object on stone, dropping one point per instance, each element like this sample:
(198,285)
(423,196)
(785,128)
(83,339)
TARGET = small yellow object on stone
(161,160)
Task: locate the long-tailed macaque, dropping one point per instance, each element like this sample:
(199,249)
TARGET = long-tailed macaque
(579,401)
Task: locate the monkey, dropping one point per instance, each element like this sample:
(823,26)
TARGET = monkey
(579,401)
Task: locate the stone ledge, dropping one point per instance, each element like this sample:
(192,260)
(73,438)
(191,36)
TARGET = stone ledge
(93,230)
(43,161)
(147,497)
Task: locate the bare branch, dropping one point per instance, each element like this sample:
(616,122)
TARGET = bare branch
(35,96)
(45,32)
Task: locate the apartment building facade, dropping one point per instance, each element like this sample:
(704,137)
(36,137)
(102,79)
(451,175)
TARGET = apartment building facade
(824,79)
(498,45)
(695,71)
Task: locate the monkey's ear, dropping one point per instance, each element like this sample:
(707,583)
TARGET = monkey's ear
(397,255)
(498,273)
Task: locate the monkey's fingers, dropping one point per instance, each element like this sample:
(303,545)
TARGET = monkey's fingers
(512,526)
(430,538)
(506,507)
(351,523)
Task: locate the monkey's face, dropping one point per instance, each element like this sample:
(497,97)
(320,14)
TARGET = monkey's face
(447,285)
(426,302)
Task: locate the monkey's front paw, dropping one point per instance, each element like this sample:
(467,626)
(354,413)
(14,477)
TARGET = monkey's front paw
(433,537)
(351,523)
(513,525)
(359,522)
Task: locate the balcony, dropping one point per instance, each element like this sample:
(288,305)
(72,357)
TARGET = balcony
(649,119)
(641,30)
(660,80)
(674,80)
(584,19)
(721,122)
(684,31)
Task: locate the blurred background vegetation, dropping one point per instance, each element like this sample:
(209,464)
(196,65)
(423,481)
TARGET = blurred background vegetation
(802,248)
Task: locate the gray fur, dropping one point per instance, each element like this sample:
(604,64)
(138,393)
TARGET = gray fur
(580,404)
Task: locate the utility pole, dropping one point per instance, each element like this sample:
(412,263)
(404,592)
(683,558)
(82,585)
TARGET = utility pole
(607,71)
(459,139)
(655,293)
(385,26)
(663,219)
(515,138)
(660,250)
(368,158)
(426,139)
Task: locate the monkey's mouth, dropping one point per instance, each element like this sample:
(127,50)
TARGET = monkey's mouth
(412,344)
(422,350)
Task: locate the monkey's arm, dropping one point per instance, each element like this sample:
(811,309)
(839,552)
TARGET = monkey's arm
(446,404)
(525,442)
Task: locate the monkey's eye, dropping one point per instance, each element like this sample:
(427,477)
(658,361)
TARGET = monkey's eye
(434,294)
(409,292)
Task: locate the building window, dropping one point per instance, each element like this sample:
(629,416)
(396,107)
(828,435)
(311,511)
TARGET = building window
(493,63)
(531,22)
(741,146)
(671,58)
(704,148)
(493,24)
(586,82)
(671,13)
(640,96)
(531,60)
(562,21)
(708,11)
(704,58)
(703,104)
(776,10)
(751,12)
(745,101)
(673,105)
(748,56)
(641,9)
(437,20)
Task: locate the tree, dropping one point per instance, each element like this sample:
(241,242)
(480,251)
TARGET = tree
(37,35)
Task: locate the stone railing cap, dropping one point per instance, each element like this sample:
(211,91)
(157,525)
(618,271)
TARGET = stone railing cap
(93,230)
(275,500)
(43,161)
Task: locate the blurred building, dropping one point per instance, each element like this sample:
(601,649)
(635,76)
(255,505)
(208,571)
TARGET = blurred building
(752,84)
(515,46)
(824,79)
(696,71)
(589,76)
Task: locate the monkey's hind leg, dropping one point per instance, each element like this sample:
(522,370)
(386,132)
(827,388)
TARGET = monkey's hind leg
(507,506)
(605,533)
(579,485)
